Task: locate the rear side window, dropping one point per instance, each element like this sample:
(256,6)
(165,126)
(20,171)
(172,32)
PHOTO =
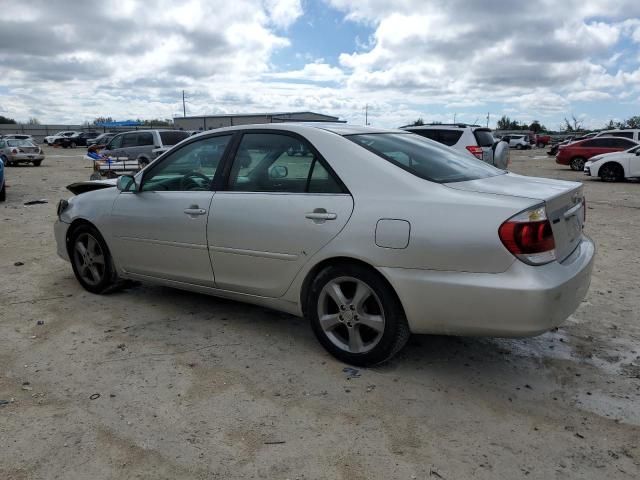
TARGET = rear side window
(622,143)
(145,138)
(130,140)
(597,142)
(425,159)
(622,134)
(484,137)
(172,137)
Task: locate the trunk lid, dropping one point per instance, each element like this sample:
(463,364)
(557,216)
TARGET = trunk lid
(28,149)
(563,201)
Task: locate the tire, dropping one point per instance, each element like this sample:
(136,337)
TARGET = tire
(143,162)
(518,147)
(3,193)
(37,163)
(343,332)
(93,253)
(95,176)
(540,145)
(611,172)
(73,145)
(577,164)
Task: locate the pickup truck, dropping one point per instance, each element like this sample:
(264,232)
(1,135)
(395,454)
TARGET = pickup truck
(543,140)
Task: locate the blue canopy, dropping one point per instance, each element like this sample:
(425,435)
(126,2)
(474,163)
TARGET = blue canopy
(125,123)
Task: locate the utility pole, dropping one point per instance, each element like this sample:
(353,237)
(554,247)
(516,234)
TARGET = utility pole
(366,114)
(184,106)
(488,115)
(454,117)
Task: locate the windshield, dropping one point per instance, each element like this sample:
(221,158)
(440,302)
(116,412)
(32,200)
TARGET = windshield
(425,158)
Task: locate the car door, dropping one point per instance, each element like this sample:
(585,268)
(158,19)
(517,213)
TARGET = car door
(633,162)
(113,147)
(129,147)
(160,230)
(282,204)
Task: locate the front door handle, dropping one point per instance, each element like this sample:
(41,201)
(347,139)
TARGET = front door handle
(195,210)
(320,215)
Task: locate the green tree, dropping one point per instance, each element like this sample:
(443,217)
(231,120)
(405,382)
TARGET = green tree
(633,122)
(535,127)
(33,121)
(6,120)
(573,125)
(504,123)
(417,123)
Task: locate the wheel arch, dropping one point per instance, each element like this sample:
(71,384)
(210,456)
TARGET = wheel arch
(78,222)
(339,260)
(616,163)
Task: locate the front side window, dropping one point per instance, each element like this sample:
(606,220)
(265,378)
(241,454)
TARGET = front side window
(115,143)
(622,134)
(427,160)
(622,143)
(269,162)
(130,140)
(190,168)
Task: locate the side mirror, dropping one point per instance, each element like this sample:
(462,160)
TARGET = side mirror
(278,171)
(127,183)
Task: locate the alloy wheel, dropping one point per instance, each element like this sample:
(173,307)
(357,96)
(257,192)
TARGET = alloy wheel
(351,315)
(89,259)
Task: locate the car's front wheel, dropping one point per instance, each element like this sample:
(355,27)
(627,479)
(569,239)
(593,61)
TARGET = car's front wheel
(518,147)
(356,315)
(91,259)
(611,172)
(577,164)
(37,163)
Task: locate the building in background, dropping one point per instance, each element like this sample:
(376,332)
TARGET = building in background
(208,122)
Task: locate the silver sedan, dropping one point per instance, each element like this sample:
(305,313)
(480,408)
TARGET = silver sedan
(370,234)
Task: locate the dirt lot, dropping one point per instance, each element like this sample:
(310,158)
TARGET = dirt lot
(190,386)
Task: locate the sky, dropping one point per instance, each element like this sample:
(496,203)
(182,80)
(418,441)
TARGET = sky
(70,61)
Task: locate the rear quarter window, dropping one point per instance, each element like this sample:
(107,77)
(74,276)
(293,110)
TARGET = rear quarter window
(423,158)
(484,138)
(172,138)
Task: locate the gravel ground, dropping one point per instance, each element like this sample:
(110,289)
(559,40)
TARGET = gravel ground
(158,383)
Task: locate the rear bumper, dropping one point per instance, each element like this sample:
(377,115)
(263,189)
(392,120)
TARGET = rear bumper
(25,157)
(522,301)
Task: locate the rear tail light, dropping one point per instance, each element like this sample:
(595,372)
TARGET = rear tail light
(528,236)
(14,151)
(475,151)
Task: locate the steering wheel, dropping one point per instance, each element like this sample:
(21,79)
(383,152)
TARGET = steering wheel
(187,182)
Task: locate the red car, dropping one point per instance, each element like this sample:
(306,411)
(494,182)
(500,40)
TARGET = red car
(577,153)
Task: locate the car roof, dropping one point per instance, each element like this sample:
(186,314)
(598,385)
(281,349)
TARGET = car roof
(299,127)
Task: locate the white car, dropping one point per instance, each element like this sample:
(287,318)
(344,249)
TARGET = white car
(50,140)
(630,133)
(616,166)
(519,142)
(470,139)
(371,234)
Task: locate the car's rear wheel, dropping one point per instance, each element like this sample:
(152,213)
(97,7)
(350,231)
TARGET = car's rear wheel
(518,147)
(611,172)
(540,145)
(91,259)
(356,315)
(72,144)
(36,163)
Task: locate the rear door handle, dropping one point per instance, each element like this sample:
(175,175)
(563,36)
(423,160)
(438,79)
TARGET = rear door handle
(195,210)
(320,215)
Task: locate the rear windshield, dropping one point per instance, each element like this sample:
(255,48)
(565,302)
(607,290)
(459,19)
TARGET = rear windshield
(484,138)
(20,143)
(171,138)
(425,158)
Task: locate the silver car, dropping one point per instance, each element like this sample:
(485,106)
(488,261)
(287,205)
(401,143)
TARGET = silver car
(370,234)
(13,152)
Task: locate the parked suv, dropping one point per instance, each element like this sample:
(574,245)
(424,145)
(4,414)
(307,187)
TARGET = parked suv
(519,142)
(472,139)
(630,133)
(81,139)
(577,153)
(143,145)
(51,139)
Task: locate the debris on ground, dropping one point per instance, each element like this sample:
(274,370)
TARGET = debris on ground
(351,372)
(36,202)
(18,264)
